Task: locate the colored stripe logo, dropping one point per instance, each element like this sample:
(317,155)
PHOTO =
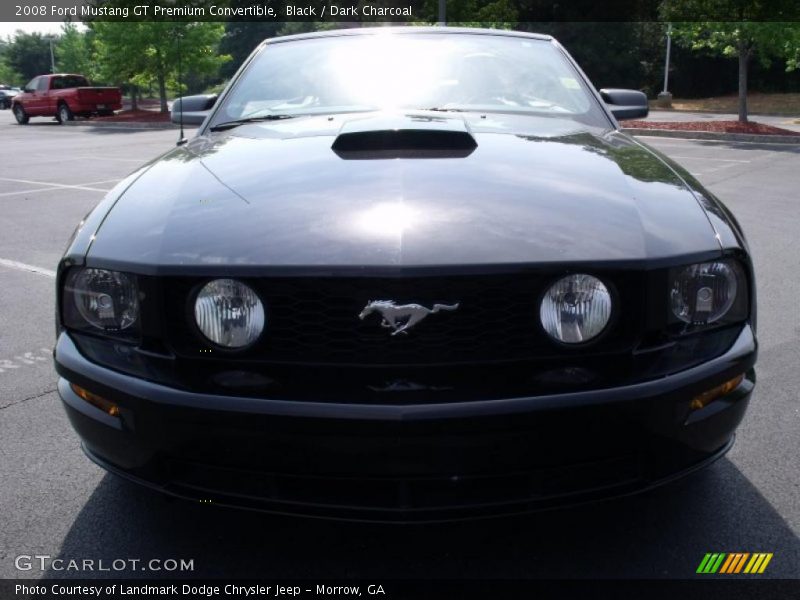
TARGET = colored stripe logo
(734,563)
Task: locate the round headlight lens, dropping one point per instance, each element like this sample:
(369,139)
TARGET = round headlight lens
(703,293)
(106,299)
(575,309)
(229,313)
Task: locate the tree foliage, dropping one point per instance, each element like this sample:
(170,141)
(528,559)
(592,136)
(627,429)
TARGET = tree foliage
(28,55)
(8,75)
(625,54)
(145,53)
(74,52)
(791,47)
(751,34)
(241,38)
(497,14)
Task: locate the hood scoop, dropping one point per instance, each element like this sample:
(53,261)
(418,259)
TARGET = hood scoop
(404,136)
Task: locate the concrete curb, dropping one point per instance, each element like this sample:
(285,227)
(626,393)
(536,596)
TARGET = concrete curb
(120,124)
(721,112)
(713,135)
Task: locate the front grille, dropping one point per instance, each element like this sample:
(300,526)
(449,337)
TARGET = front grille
(402,496)
(316,319)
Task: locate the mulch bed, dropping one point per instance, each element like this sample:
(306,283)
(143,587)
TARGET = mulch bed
(137,116)
(713,126)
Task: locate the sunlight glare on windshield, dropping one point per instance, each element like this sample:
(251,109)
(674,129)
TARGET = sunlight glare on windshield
(402,72)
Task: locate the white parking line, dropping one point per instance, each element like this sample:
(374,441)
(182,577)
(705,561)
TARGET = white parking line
(104,181)
(13,264)
(55,189)
(55,185)
(135,160)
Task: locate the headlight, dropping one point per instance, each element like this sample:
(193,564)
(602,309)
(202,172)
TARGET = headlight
(707,293)
(101,299)
(575,309)
(229,313)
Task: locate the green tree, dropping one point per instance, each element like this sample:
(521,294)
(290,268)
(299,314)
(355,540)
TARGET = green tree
(8,76)
(750,34)
(791,48)
(613,54)
(145,53)
(117,54)
(28,54)
(242,37)
(73,51)
(498,14)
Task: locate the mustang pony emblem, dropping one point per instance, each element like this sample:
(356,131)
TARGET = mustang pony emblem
(403,317)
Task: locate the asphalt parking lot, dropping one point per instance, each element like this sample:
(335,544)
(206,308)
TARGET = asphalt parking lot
(57,503)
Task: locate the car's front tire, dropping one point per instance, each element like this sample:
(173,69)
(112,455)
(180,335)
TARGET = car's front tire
(64,114)
(20,115)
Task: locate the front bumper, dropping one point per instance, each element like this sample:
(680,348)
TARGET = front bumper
(417,462)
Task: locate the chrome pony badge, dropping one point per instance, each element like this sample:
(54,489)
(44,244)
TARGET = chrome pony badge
(403,317)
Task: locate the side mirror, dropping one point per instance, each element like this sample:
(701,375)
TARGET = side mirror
(195,109)
(28,90)
(625,104)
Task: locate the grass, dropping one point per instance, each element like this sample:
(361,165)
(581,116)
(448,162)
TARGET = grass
(757,103)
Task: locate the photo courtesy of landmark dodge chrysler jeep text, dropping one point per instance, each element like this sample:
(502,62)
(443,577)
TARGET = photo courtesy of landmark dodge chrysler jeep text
(407,274)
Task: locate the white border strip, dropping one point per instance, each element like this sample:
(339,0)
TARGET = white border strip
(54,185)
(13,264)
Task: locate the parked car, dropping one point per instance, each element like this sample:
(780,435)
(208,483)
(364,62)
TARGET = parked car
(64,96)
(7,94)
(407,274)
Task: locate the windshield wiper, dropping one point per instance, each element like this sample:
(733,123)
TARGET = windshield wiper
(237,122)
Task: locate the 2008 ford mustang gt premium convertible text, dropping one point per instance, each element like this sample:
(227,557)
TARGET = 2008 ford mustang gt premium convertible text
(407,274)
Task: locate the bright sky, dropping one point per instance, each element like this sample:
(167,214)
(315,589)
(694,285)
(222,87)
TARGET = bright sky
(8,28)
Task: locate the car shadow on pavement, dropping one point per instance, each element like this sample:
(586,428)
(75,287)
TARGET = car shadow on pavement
(663,533)
(109,130)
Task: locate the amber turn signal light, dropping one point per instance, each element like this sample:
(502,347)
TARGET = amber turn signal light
(709,396)
(98,401)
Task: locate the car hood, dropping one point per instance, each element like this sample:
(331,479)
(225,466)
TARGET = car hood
(347,191)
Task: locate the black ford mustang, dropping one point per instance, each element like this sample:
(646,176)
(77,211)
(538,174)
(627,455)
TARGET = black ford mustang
(407,274)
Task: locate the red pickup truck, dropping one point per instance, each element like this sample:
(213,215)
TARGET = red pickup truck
(64,96)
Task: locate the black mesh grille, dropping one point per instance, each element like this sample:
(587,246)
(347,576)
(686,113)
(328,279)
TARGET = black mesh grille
(406,495)
(316,320)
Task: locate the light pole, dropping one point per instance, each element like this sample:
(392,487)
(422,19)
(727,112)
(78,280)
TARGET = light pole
(49,38)
(665,98)
(442,13)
